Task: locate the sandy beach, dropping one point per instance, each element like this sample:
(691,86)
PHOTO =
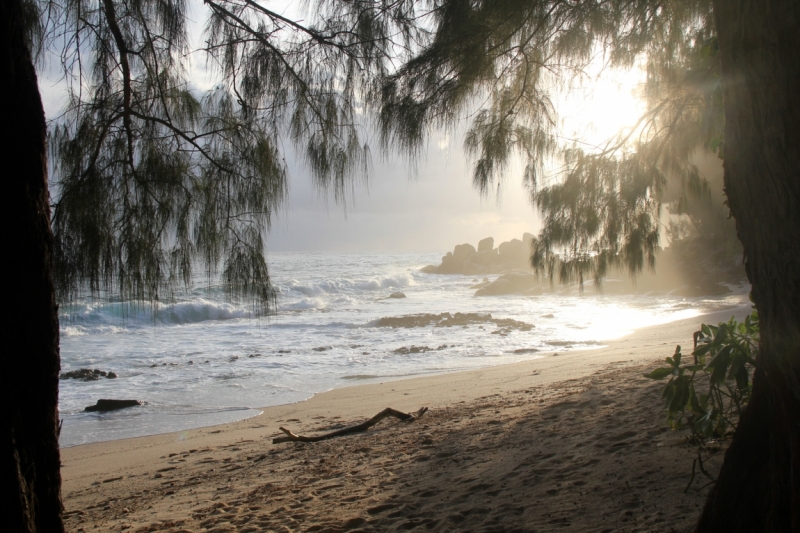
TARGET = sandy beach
(573,441)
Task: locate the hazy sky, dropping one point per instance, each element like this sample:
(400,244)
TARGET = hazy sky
(431,209)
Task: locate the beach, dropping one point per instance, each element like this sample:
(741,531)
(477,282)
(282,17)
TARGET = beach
(572,441)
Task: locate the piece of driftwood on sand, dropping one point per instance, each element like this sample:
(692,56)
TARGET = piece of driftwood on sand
(408,417)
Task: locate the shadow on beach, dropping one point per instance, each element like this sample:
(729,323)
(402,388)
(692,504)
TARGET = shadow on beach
(591,454)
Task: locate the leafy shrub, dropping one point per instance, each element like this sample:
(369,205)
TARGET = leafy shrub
(708,394)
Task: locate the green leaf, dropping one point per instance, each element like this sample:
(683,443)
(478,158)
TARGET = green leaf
(702,349)
(659,373)
(719,364)
(736,364)
(694,402)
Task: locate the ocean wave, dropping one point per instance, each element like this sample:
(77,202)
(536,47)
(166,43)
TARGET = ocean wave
(347,286)
(78,331)
(108,317)
(304,304)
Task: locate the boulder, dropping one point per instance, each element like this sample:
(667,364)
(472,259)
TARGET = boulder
(112,405)
(449,265)
(527,239)
(511,283)
(483,258)
(496,288)
(474,269)
(466,260)
(462,252)
(397,294)
(87,374)
(511,251)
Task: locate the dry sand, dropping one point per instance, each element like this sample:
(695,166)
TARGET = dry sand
(573,442)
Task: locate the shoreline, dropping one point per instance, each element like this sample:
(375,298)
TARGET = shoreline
(255,410)
(183,464)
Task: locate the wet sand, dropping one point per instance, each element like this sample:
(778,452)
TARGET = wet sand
(569,442)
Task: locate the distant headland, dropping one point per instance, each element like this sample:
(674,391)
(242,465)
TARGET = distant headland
(680,271)
(465,259)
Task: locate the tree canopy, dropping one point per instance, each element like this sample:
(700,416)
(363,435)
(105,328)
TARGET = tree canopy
(155,179)
(509,59)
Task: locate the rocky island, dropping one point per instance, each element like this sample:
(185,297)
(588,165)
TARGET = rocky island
(681,271)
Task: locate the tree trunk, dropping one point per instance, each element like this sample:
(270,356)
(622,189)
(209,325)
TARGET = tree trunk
(30,477)
(759,47)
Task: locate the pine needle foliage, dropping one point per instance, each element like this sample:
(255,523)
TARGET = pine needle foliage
(509,58)
(156,179)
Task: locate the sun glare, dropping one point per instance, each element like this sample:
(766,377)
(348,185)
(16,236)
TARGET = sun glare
(601,107)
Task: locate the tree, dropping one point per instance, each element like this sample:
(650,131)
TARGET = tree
(604,211)
(29,457)
(138,145)
(155,178)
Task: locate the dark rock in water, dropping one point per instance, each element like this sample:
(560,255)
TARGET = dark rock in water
(480,285)
(485,258)
(466,260)
(87,374)
(397,294)
(511,283)
(453,262)
(463,251)
(511,252)
(527,240)
(112,405)
(525,350)
(486,245)
(414,349)
(445,320)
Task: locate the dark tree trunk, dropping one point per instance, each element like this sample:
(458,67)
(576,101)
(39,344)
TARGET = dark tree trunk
(29,457)
(759,485)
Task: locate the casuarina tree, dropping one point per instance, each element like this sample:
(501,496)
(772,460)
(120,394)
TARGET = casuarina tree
(156,179)
(721,76)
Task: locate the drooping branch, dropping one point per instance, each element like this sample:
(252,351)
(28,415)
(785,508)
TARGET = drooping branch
(111,18)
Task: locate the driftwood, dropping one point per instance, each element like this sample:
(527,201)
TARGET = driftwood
(409,417)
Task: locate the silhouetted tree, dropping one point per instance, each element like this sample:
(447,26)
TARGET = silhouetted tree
(725,74)
(155,179)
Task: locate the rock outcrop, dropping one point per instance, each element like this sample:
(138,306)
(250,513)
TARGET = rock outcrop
(112,405)
(486,245)
(512,283)
(676,275)
(87,374)
(465,259)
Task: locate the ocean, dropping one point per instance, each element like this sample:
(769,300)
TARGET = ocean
(202,360)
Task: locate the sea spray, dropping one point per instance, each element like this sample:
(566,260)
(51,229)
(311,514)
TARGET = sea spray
(202,360)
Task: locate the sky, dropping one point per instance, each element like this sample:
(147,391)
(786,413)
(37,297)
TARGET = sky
(400,209)
(431,207)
